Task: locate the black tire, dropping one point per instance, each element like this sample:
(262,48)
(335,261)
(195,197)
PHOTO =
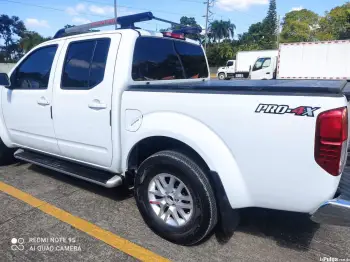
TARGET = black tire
(222,76)
(204,216)
(6,154)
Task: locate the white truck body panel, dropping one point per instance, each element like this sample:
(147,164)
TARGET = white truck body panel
(279,185)
(246,59)
(315,60)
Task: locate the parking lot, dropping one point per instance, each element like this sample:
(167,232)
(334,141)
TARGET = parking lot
(101,224)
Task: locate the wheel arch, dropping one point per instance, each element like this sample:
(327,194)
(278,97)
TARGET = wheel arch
(194,136)
(153,144)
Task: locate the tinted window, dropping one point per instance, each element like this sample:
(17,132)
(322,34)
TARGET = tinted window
(34,72)
(167,59)
(155,59)
(98,65)
(230,63)
(193,59)
(85,64)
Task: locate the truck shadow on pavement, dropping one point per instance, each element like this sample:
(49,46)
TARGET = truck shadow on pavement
(288,229)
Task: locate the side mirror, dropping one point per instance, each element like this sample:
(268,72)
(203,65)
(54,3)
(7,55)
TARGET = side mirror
(4,80)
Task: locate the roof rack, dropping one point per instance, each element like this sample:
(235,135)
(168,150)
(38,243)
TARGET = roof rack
(127,21)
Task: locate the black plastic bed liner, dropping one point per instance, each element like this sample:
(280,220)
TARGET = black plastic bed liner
(282,87)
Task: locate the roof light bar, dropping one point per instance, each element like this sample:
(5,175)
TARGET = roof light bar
(174,35)
(126,22)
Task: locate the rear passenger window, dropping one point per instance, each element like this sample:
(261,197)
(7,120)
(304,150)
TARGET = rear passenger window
(85,63)
(193,59)
(34,71)
(167,59)
(155,59)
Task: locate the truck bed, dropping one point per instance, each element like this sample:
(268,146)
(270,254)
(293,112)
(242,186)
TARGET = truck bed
(282,87)
(252,144)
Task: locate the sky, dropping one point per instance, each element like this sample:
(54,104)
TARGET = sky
(48,16)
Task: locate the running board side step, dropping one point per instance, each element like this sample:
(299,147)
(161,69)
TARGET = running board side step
(99,177)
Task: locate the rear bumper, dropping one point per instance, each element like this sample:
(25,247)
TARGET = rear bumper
(334,212)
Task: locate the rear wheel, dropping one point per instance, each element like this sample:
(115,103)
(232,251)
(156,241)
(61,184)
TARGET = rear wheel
(222,76)
(175,198)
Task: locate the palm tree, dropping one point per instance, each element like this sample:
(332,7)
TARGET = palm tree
(219,30)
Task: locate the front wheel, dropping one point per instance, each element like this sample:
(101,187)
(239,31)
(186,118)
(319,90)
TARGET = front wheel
(175,198)
(222,76)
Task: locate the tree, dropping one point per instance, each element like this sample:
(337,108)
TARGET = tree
(253,39)
(300,26)
(221,30)
(269,27)
(11,28)
(30,40)
(261,35)
(335,24)
(219,53)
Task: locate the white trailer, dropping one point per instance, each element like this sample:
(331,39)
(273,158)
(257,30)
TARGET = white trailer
(313,60)
(246,59)
(317,60)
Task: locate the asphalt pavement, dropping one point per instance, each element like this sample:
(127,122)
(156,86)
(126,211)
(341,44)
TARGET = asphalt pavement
(263,235)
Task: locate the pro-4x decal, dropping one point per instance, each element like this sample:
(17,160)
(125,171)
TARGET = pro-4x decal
(284,109)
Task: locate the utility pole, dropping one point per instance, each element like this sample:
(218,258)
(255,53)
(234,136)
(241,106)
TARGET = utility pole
(115,13)
(209,4)
(278,30)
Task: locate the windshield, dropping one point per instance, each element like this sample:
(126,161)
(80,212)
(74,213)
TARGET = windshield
(262,63)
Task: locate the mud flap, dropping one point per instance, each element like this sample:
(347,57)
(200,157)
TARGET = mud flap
(228,218)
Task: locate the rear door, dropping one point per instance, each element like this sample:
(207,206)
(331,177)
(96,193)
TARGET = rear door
(82,99)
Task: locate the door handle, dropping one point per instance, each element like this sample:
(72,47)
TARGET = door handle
(43,102)
(268,73)
(97,105)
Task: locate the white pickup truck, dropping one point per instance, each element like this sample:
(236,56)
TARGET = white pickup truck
(136,108)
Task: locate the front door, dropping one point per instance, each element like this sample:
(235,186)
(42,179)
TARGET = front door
(231,67)
(83,99)
(263,69)
(26,105)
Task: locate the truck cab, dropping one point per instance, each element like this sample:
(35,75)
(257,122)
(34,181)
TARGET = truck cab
(227,72)
(264,68)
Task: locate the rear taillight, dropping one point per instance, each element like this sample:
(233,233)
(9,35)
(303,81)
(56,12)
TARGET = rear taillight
(331,140)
